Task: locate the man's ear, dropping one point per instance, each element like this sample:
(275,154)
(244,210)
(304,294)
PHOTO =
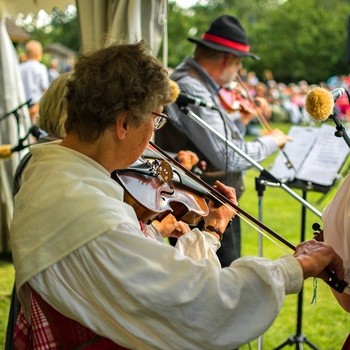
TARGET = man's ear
(122,125)
(226,59)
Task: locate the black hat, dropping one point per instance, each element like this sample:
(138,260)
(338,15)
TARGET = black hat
(226,34)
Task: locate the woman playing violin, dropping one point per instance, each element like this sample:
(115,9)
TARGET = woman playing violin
(79,249)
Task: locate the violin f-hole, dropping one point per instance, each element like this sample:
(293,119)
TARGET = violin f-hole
(168,193)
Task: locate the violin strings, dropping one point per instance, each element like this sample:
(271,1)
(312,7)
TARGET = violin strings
(254,226)
(266,235)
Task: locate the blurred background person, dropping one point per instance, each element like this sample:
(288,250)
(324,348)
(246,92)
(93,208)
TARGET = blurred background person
(52,71)
(34,76)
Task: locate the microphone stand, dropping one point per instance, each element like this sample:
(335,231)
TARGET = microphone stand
(260,186)
(264,179)
(262,170)
(340,128)
(15,113)
(21,146)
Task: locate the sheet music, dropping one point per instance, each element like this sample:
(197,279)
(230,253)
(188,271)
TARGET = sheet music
(316,153)
(296,150)
(325,159)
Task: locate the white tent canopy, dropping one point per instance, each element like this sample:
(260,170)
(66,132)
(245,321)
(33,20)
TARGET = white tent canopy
(101,21)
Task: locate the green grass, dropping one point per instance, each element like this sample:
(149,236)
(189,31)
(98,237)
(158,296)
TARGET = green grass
(324,324)
(6,284)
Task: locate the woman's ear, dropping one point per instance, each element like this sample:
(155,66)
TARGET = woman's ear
(122,125)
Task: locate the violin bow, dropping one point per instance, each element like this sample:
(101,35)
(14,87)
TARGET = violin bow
(332,280)
(262,119)
(221,198)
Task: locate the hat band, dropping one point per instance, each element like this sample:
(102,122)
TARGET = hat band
(225,42)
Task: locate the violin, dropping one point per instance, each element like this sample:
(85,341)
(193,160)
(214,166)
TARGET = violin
(155,189)
(232,99)
(183,196)
(161,197)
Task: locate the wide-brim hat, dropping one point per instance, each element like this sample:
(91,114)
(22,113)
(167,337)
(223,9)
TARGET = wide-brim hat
(226,34)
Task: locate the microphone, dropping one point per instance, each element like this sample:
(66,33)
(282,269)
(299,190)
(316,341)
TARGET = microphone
(175,90)
(36,131)
(184,99)
(6,151)
(337,93)
(319,102)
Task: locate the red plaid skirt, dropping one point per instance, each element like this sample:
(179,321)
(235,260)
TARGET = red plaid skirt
(59,332)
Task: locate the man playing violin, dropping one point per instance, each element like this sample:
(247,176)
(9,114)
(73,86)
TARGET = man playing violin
(217,60)
(79,250)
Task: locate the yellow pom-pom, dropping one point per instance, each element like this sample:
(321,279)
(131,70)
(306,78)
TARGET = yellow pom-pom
(175,90)
(5,151)
(319,103)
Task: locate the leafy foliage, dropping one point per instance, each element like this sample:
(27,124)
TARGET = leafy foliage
(296,39)
(61,27)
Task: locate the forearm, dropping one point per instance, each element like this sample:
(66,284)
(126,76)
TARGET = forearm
(216,151)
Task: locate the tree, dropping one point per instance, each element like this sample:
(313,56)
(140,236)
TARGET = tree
(296,39)
(303,40)
(60,26)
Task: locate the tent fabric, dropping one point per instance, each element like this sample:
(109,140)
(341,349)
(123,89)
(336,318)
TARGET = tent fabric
(101,21)
(104,21)
(11,130)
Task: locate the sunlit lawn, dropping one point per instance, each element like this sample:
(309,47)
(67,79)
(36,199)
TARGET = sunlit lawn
(6,283)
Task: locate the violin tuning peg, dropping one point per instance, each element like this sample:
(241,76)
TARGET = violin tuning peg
(165,171)
(316,226)
(318,232)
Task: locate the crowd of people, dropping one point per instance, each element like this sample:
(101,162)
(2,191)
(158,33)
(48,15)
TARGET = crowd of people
(89,273)
(286,102)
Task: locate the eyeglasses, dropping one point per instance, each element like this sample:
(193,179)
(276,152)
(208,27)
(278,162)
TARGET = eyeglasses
(160,120)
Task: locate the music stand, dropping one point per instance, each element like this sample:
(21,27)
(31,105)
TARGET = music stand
(340,130)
